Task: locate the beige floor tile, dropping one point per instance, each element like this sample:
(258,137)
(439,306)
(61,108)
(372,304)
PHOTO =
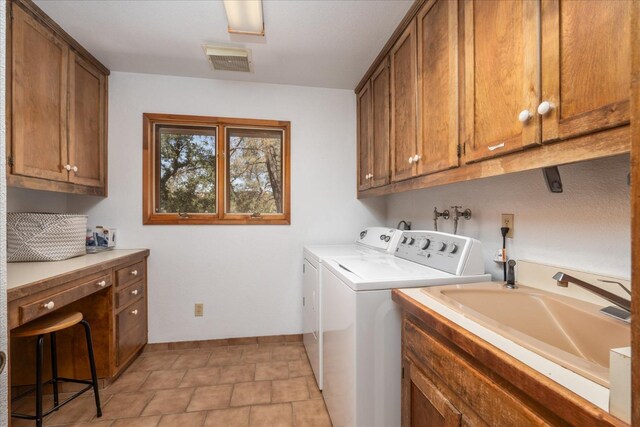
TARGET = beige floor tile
(82,408)
(95,423)
(194,359)
(126,405)
(237,373)
(232,417)
(188,419)
(154,362)
(137,422)
(314,391)
(285,352)
(252,393)
(272,371)
(311,413)
(278,415)
(201,377)
(163,379)
(289,390)
(212,397)
(300,368)
(129,381)
(173,401)
(254,355)
(225,358)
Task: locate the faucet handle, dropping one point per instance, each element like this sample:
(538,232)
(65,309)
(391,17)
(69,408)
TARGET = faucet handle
(617,283)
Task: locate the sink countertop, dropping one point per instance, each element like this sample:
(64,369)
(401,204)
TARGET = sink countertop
(25,275)
(583,387)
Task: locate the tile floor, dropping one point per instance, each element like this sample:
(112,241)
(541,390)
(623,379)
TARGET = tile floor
(245,385)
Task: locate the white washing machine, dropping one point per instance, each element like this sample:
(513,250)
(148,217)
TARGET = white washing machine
(362,325)
(372,241)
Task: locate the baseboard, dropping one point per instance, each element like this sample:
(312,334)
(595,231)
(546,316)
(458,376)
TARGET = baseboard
(191,345)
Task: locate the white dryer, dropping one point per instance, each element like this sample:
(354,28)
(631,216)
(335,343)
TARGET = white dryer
(362,326)
(372,241)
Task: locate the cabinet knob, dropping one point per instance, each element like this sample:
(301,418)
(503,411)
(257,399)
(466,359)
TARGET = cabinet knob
(411,160)
(134,272)
(102,283)
(75,168)
(49,305)
(67,167)
(545,107)
(135,312)
(416,158)
(524,116)
(134,292)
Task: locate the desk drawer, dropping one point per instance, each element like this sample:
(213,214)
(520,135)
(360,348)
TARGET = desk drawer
(130,274)
(132,329)
(46,305)
(129,294)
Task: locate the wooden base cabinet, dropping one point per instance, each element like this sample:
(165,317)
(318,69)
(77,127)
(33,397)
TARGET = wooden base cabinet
(57,107)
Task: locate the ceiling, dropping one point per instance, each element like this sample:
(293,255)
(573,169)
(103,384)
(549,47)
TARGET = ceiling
(322,43)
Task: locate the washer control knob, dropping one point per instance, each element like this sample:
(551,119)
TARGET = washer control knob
(412,240)
(441,246)
(425,244)
(453,248)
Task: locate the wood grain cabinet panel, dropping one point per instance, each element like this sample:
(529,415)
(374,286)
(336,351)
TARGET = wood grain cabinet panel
(57,99)
(379,154)
(87,103)
(502,76)
(364,137)
(438,86)
(39,99)
(404,93)
(586,66)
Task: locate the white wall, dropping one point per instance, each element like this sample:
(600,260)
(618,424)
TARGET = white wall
(22,200)
(4,416)
(248,277)
(586,227)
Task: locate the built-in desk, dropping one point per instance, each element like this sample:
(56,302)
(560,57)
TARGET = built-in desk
(108,288)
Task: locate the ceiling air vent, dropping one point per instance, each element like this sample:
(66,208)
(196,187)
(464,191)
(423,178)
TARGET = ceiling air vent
(228,58)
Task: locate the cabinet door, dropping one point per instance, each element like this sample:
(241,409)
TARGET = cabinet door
(425,405)
(87,104)
(403,105)
(364,137)
(586,66)
(502,76)
(39,99)
(438,86)
(380,125)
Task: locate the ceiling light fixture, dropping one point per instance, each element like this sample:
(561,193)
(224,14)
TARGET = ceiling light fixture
(244,16)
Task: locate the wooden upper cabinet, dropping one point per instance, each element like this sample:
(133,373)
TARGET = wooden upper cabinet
(364,137)
(502,76)
(437,86)
(586,66)
(87,103)
(380,126)
(39,99)
(404,153)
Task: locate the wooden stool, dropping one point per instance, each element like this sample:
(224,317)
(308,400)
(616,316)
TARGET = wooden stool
(50,325)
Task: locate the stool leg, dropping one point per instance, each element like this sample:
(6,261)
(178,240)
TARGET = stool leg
(39,352)
(54,368)
(92,363)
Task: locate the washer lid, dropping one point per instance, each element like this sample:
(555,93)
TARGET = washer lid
(386,268)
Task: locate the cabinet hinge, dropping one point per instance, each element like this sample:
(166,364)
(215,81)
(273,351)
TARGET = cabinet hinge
(403,372)
(10,161)
(459,150)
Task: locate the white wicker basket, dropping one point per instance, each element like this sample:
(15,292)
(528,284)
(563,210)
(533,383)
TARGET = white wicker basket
(45,237)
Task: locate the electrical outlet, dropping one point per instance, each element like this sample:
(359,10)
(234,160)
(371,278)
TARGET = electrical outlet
(199,310)
(507,221)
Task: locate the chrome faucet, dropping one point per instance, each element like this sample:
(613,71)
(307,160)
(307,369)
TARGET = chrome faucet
(564,279)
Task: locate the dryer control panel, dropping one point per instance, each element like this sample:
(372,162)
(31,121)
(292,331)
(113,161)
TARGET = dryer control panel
(442,251)
(385,239)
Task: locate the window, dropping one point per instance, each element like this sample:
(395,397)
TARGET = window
(211,170)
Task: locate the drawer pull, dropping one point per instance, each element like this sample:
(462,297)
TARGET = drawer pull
(102,283)
(49,305)
(134,292)
(135,312)
(495,147)
(134,272)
